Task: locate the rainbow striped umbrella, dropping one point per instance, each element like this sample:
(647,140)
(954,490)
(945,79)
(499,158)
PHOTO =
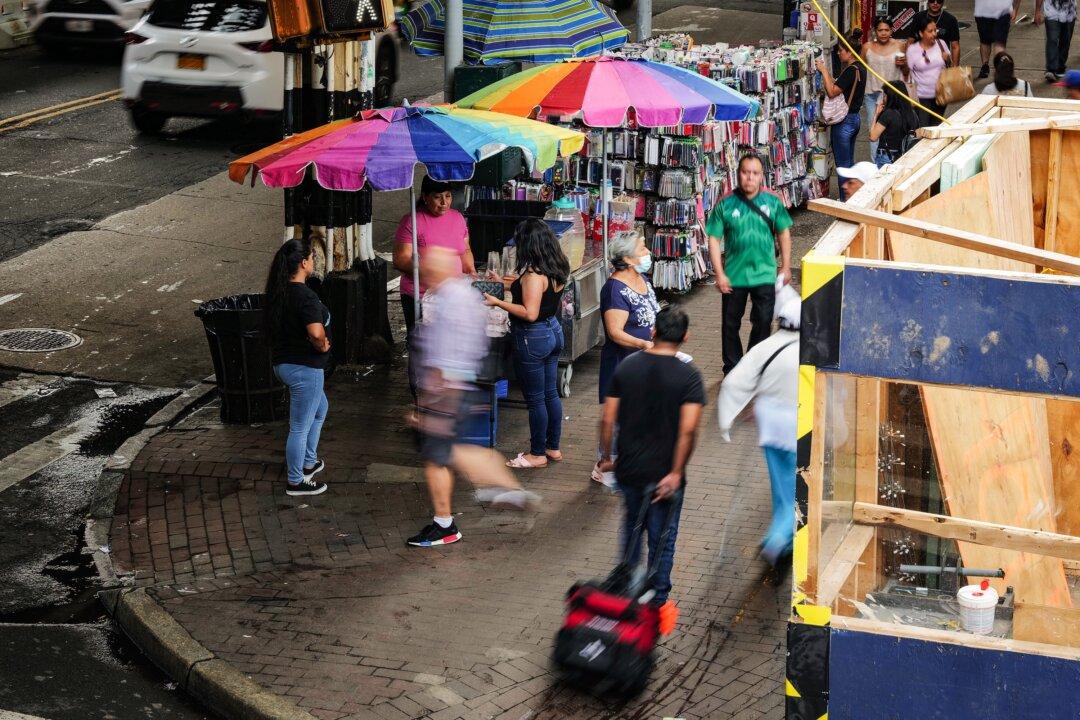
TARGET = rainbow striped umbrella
(601,91)
(527,30)
(383,147)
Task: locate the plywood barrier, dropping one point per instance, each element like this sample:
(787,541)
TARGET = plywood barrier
(991,450)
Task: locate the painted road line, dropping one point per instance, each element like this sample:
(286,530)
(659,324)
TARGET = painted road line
(4,299)
(21,121)
(27,460)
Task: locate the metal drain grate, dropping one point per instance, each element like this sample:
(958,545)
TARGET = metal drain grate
(37,340)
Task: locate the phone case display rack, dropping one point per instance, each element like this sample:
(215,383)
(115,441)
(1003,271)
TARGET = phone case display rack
(666,180)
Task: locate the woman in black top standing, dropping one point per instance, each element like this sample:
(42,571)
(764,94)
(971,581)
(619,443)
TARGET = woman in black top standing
(297,322)
(894,124)
(851,83)
(542,270)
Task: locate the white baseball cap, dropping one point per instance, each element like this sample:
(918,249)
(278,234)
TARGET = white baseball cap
(862,171)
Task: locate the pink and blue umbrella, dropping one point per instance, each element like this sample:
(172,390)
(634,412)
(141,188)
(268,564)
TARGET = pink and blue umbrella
(383,148)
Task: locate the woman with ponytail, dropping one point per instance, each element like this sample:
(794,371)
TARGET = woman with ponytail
(894,125)
(297,322)
(1005,80)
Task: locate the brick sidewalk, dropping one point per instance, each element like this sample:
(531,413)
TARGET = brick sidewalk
(320,600)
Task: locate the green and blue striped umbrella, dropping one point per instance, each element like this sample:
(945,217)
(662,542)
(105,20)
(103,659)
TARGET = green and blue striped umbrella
(528,30)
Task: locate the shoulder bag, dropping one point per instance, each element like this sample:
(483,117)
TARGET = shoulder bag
(837,107)
(954,83)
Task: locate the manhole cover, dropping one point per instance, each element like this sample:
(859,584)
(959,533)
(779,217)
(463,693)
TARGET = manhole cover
(37,340)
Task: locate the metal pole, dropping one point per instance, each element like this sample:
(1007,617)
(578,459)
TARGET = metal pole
(644,20)
(289,124)
(453,41)
(604,191)
(415,256)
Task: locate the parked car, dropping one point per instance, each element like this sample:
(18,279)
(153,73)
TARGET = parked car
(61,24)
(213,58)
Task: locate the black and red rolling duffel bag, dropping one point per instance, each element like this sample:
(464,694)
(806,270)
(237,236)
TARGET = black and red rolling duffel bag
(612,626)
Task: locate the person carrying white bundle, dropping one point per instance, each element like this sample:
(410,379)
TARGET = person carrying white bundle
(768,375)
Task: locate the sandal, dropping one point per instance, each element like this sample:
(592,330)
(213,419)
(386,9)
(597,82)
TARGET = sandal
(521,463)
(552,458)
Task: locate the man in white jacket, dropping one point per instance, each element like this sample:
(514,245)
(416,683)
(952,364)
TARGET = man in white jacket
(769,375)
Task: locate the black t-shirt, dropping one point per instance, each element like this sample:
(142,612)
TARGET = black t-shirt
(852,77)
(948,29)
(291,344)
(896,128)
(651,390)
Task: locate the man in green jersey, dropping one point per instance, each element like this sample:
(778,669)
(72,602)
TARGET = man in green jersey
(747,225)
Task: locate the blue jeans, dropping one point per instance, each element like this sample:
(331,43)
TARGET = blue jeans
(842,136)
(883,157)
(655,523)
(307,411)
(778,540)
(1058,39)
(870,101)
(536,361)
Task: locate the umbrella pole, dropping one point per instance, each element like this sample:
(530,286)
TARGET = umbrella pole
(604,194)
(415,257)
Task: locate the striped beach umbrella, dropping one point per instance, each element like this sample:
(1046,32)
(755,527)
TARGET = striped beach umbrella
(601,91)
(527,30)
(383,148)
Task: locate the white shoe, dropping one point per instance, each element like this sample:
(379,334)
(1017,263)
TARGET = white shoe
(607,479)
(515,499)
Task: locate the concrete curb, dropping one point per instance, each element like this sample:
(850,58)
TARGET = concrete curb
(210,680)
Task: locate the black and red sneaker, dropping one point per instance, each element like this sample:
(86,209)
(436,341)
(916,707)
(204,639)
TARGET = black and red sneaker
(432,535)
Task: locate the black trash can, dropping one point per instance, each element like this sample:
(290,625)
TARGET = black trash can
(240,349)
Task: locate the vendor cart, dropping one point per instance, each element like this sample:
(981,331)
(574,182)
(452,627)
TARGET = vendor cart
(582,324)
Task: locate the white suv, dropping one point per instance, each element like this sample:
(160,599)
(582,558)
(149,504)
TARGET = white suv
(201,58)
(60,24)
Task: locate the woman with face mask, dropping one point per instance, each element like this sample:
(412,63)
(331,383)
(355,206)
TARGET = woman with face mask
(628,306)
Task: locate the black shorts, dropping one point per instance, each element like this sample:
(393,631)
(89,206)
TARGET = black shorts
(437,448)
(993,31)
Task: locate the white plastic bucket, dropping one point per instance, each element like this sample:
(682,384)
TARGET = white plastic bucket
(977,608)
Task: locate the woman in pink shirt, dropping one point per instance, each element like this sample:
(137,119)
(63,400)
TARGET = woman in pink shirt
(437,225)
(926,58)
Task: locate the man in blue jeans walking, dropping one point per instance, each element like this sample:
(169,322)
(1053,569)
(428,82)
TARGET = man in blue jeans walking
(656,399)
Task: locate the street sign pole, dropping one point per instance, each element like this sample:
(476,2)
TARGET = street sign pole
(644,20)
(453,40)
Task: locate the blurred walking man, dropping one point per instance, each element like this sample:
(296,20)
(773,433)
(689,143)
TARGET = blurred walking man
(452,343)
(769,375)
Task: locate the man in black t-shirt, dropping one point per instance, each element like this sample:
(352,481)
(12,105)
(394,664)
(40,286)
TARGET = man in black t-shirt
(656,400)
(948,29)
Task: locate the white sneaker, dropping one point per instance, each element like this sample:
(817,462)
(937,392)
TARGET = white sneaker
(515,499)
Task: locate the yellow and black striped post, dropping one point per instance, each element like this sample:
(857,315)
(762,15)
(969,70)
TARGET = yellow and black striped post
(807,684)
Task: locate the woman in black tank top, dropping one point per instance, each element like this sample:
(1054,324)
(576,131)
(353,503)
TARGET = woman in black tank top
(543,271)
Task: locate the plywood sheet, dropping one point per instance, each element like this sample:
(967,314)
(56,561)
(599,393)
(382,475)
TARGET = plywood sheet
(1009,178)
(1067,237)
(1039,144)
(991,449)
(1041,624)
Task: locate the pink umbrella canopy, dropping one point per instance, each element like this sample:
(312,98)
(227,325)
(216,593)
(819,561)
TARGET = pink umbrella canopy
(601,91)
(382,147)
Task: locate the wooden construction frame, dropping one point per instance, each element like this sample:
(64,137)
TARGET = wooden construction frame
(827,589)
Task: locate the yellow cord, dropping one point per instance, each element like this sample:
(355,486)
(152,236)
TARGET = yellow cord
(840,36)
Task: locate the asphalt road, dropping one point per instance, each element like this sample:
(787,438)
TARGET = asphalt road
(60,658)
(69,171)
